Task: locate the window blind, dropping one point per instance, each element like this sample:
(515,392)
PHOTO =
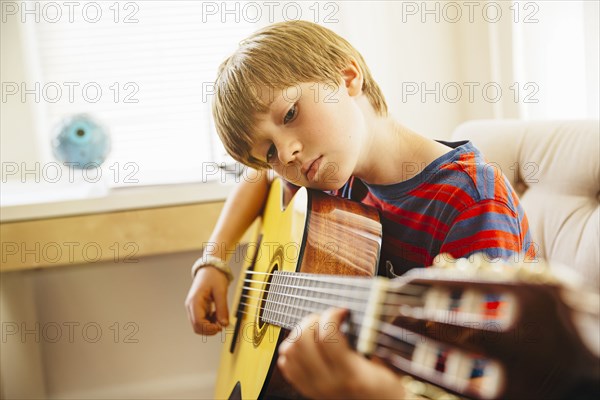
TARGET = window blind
(144,70)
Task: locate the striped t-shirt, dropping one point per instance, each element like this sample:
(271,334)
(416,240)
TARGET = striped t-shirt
(458,204)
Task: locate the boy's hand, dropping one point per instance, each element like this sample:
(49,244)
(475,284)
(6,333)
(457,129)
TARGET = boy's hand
(206,302)
(318,362)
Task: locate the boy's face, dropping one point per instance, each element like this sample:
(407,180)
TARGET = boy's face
(312,134)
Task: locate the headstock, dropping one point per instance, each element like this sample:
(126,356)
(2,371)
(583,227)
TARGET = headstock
(487,329)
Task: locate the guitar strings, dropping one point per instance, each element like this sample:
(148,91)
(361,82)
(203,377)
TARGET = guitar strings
(394,299)
(309,310)
(396,296)
(402,342)
(387,328)
(392,331)
(358,282)
(389,335)
(391,308)
(346,293)
(300,311)
(366,283)
(383,339)
(343,280)
(402,307)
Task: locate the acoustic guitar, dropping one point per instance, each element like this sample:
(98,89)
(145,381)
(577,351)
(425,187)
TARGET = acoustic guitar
(475,327)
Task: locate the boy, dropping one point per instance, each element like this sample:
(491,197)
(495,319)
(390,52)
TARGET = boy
(298,99)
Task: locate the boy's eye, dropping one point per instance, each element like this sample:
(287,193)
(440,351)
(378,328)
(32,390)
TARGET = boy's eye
(291,114)
(271,154)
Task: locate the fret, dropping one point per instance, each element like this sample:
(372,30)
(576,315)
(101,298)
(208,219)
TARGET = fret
(320,292)
(326,296)
(287,306)
(320,296)
(299,294)
(315,305)
(278,298)
(285,299)
(272,297)
(302,294)
(280,312)
(267,314)
(296,293)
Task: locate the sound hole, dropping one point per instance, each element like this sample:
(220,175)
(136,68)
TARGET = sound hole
(260,326)
(263,300)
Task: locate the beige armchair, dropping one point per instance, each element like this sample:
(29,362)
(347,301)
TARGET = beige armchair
(554,167)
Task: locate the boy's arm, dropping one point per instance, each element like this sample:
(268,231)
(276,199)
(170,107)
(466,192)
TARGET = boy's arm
(241,208)
(206,302)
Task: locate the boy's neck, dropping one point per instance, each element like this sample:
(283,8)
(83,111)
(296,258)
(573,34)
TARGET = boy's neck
(393,153)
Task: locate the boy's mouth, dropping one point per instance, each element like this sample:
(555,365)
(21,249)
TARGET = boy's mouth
(309,169)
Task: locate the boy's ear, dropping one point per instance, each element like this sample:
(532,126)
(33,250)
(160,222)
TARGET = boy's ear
(353,78)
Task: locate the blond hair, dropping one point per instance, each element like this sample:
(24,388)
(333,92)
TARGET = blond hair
(274,58)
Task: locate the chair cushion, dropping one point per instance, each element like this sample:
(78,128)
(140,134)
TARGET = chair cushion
(554,167)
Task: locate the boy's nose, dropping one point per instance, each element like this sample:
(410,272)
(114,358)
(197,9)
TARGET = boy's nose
(289,152)
(287,158)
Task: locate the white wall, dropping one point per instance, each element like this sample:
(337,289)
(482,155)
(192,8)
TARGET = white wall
(402,53)
(145,347)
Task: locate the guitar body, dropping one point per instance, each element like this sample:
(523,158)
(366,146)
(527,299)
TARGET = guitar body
(308,232)
(479,328)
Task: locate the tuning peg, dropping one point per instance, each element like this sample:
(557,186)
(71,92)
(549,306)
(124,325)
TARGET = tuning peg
(478,261)
(444,260)
(415,388)
(464,265)
(536,270)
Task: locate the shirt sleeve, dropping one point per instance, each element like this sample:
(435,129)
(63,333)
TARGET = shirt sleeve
(488,226)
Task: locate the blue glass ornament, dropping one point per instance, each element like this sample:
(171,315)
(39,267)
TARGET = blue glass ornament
(81,141)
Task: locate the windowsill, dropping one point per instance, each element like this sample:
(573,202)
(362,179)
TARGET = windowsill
(118,199)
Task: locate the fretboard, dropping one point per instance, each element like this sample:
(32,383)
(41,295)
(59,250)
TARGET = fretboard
(292,296)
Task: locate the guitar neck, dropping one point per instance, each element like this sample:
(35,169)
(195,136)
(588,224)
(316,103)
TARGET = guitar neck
(370,328)
(460,335)
(292,296)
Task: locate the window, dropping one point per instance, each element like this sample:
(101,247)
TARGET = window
(556,49)
(142,69)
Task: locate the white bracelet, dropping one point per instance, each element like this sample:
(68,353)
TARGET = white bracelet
(212,261)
